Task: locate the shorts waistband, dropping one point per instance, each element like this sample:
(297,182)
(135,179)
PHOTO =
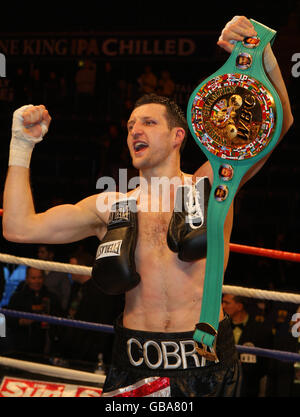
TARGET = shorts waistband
(166,353)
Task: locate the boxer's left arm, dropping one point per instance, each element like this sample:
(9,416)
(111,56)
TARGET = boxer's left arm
(235,30)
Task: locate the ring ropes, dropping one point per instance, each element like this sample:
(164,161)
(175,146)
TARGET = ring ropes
(79,269)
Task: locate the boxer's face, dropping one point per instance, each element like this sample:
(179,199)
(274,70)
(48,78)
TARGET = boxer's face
(150,140)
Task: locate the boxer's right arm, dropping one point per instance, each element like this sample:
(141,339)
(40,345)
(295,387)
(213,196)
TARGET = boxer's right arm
(61,224)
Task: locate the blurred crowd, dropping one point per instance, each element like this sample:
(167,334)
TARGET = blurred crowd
(105,91)
(58,294)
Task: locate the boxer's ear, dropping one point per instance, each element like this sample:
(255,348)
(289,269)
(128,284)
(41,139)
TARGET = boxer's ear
(179,134)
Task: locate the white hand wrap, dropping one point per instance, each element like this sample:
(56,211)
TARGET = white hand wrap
(270,61)
(22,144)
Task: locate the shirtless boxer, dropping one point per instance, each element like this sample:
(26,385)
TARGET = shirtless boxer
(154,347)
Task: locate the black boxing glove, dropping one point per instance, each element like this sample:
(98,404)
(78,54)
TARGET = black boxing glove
(187,229)
(114,268)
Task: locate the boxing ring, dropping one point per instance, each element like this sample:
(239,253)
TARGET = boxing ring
(96,380)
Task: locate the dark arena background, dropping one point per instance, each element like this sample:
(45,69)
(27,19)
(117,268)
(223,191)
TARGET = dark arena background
(47,48)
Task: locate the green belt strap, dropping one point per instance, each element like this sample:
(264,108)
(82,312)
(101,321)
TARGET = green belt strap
(235,116)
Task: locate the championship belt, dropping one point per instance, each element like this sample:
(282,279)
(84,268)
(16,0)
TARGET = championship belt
(235,116)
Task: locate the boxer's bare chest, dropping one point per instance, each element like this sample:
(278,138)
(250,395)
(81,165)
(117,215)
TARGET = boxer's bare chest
(152,255)
(164,280)
(154,216)
(152,230)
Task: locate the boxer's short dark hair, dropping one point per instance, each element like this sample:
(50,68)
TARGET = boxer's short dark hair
(174,114)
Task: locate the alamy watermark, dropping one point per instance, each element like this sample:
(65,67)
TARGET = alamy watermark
(296,326)
(153,196)
(156,195)
(2,66)
(296,67)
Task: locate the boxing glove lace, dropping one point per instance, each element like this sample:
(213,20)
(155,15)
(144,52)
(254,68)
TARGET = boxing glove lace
(187,229)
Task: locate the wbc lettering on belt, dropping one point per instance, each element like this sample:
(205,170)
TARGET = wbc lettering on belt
(167,354)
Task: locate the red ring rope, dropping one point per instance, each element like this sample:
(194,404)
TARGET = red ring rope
(268,253)
(251,250)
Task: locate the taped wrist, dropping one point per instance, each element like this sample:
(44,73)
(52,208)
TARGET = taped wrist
(20,153)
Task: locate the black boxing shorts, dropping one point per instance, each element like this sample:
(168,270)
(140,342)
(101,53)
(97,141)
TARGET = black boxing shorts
(152,364)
